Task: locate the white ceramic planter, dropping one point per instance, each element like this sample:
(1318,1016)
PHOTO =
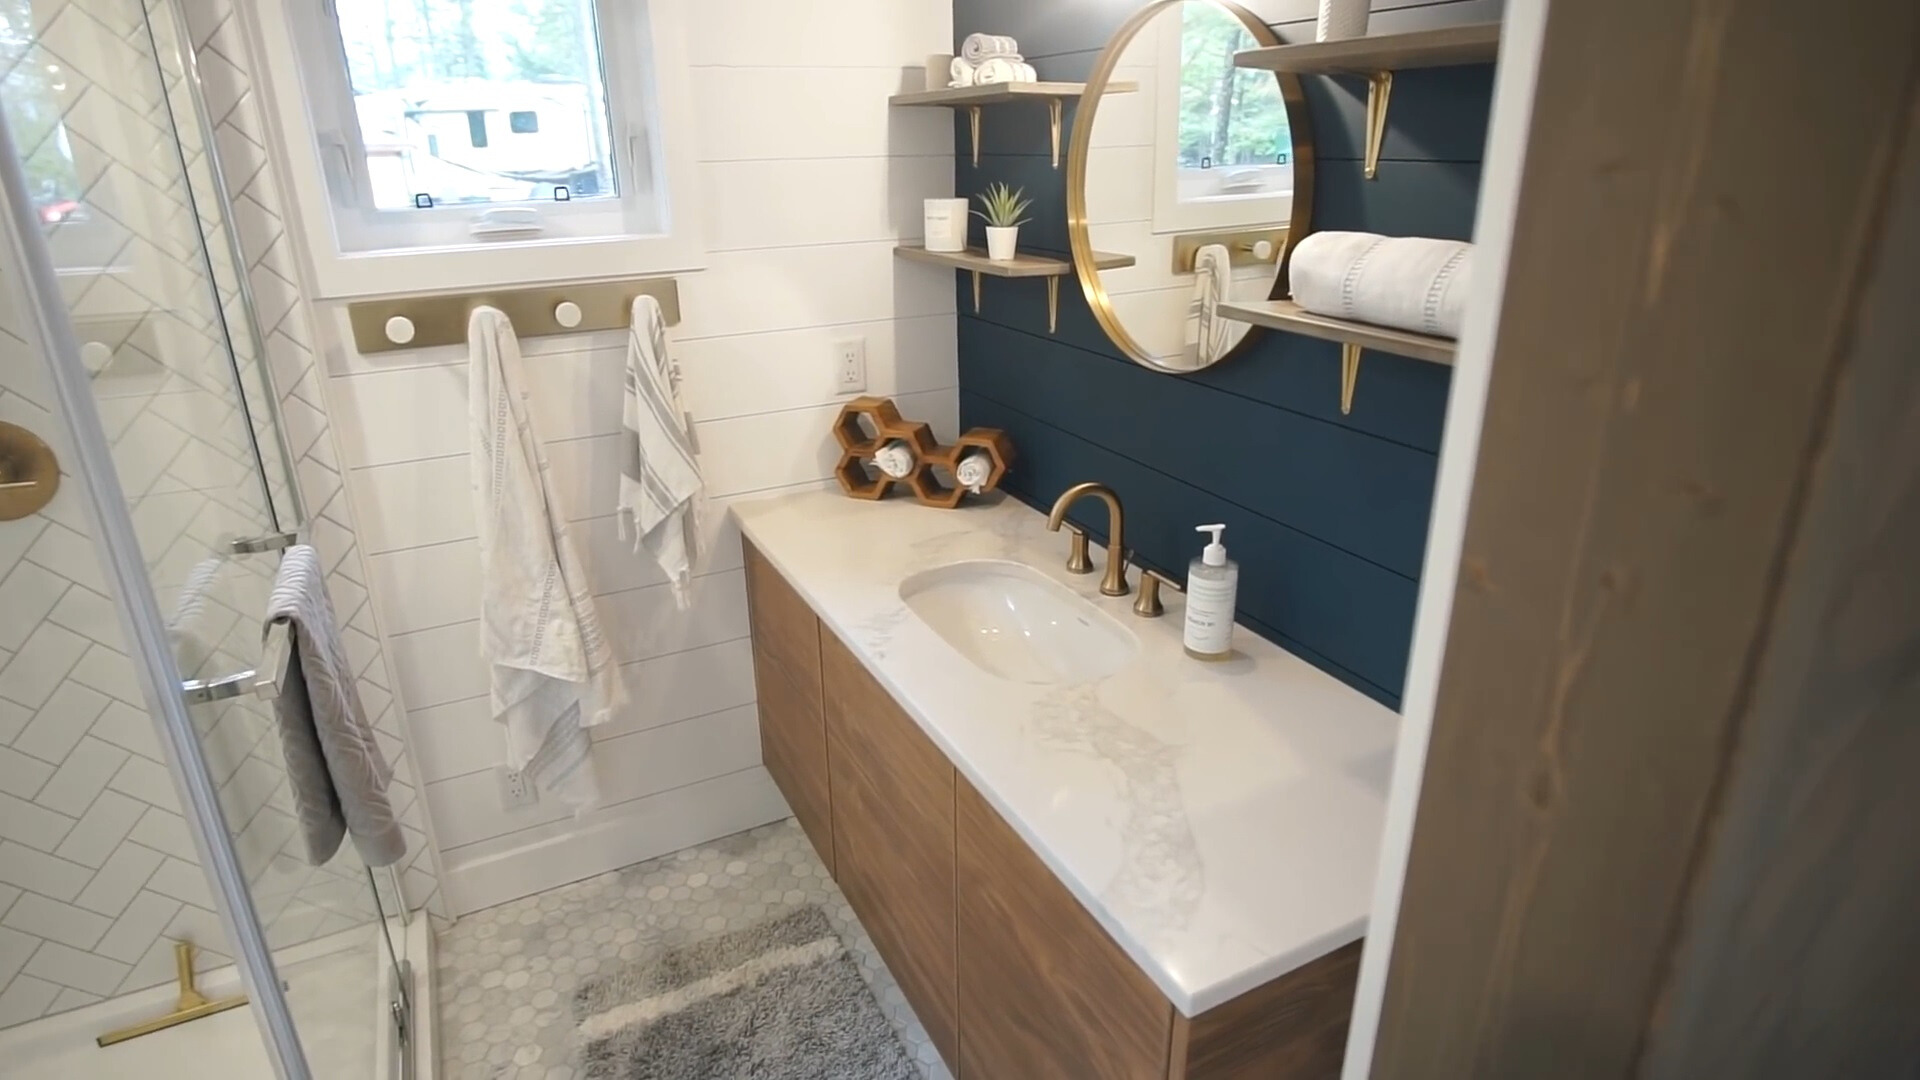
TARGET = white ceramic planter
(1002,241)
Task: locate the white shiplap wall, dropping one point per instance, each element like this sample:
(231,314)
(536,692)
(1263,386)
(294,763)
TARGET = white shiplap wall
(808,180)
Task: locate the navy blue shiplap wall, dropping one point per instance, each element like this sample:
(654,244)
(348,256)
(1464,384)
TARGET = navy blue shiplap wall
(1327,514)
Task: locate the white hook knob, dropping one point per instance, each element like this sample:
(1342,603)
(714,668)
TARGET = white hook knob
(567,314)
(399,329)
(95,356)
(1263,250)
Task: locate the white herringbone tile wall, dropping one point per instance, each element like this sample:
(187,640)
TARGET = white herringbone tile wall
(97,869)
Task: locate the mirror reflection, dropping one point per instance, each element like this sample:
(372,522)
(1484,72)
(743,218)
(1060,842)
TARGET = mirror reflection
(1199,176)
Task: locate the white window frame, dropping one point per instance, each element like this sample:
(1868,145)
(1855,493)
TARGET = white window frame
(433,250)
(1171,212)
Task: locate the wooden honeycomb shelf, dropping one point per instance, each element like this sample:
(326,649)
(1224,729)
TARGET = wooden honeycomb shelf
(867,423)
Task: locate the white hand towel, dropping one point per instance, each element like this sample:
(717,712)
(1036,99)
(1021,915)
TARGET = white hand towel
(961,73)
(1213,336)
(662,497)
(1410,282)
(551,671)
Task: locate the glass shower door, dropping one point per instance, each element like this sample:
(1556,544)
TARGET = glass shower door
(122,185)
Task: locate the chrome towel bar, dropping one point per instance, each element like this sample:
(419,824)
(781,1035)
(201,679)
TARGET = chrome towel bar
(265,681)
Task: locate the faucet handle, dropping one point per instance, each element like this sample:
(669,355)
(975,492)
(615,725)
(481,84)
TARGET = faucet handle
(1147,605)
(1078,561)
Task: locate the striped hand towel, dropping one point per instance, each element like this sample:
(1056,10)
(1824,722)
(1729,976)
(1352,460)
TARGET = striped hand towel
(662,497)
(550,668)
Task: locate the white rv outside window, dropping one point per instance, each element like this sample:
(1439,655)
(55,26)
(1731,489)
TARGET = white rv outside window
(458,143)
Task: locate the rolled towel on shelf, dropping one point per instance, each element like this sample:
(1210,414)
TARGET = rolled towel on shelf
(973,471)
(979,48)
(962,73)
(1407,282)
(895,459)
(996,71)
(1023,72)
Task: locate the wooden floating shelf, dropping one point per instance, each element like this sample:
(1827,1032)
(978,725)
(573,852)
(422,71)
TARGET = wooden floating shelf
(1378,58)
(1352,336)
(1448,46)
(971,98)
(975,261)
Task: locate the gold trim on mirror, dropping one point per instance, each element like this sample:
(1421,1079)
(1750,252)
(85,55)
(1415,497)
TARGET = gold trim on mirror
(1080,237)
(1243,247)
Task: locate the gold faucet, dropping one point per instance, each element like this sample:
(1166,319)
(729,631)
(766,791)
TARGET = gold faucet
(1115,581)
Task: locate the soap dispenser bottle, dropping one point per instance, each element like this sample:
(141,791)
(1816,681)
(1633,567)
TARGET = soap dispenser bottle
(1213,581)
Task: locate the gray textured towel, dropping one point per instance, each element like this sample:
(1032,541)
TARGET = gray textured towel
(338,775)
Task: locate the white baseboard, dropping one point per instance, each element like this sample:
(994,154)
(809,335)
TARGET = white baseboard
(495,871)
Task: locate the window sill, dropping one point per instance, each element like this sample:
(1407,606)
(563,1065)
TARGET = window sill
(493,266)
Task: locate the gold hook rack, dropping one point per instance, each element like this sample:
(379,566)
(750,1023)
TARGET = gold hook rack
(418,322)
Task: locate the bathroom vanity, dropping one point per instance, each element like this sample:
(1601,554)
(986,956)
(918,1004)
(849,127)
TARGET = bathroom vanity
(1082,853)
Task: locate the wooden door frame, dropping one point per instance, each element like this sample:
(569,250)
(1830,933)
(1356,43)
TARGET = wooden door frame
(1671,644)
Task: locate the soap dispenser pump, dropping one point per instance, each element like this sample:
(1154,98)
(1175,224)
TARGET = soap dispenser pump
(1213,580)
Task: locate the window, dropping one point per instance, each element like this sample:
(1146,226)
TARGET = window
(461,127)
(1224,148)
(34,90)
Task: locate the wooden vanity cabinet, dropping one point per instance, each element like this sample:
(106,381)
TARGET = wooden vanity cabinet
(893,833)
(786,670)
(1013,978)
(1044,992)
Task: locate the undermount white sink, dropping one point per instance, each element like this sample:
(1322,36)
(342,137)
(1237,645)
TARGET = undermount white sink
(1014,622)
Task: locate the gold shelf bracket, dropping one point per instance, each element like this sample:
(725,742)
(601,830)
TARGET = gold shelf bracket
(973,119)
(192,1004)
(976,292)
(1379,89)
(1053,119)
(1349,375)
(1053,304)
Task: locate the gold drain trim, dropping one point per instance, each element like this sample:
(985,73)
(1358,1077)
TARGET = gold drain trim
(192,1004)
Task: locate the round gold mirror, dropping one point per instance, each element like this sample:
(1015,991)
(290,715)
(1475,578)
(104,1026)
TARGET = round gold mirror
(1187,179)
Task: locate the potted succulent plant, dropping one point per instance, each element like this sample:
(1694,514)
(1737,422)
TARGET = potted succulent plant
(1005,210)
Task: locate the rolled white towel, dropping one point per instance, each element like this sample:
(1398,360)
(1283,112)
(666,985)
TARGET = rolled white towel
(979,48)
(973,471)
(1023,72)
(895,459)
(962,73)
(996,71)
(1408,282)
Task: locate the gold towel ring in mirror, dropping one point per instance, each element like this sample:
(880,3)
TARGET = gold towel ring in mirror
(29,473)
(1080,149)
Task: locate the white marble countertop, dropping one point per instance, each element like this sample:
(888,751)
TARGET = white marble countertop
(1220,820)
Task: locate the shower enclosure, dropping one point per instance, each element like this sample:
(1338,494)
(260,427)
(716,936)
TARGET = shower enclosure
(146,490)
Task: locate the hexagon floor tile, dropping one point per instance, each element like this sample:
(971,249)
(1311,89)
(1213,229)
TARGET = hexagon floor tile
(507,974)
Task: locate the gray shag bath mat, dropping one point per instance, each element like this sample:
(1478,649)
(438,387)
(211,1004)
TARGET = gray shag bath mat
(779,1000)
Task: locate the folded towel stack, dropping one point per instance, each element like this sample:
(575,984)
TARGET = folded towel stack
(1408,282)
(986,59)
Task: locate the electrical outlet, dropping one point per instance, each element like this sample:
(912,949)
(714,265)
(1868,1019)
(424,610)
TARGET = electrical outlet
(852,356)
(516,789)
